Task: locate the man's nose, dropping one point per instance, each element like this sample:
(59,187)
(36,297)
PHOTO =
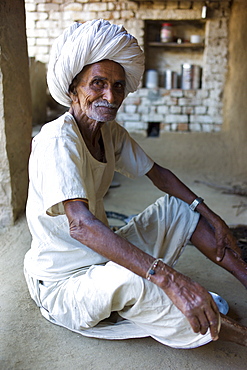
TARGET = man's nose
(109,95)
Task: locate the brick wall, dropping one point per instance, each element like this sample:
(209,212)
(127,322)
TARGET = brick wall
(175,110)
(46,19)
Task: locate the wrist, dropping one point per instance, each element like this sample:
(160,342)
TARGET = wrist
(195,203)
(163,275)
(209,215)
(212,218)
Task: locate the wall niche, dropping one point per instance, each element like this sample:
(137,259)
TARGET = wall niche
(179,109)
(185,46)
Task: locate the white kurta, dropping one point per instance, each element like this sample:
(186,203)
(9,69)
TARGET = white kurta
(73,285)
(61,167)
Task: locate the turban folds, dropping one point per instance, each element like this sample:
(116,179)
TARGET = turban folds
(87,43)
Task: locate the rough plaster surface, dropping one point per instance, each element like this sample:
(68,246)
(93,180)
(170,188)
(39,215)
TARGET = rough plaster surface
(235,110)
(5,181)
(15,111)
(38,90)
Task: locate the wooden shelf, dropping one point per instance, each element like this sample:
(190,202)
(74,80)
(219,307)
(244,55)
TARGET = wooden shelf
(184,45)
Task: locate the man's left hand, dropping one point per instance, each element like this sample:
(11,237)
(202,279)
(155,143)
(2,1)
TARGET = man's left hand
(224,239)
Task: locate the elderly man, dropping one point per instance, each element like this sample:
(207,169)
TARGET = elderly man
(78,271)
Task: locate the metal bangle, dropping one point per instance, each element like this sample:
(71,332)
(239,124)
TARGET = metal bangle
(195,203)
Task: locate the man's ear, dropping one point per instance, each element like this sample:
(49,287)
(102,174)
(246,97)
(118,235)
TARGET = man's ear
(74,96)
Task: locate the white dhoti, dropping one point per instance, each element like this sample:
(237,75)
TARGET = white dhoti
(81,302)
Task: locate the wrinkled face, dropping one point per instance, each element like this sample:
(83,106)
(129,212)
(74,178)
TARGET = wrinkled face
(99,90)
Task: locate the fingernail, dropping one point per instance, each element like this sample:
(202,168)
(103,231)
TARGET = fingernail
(218,259)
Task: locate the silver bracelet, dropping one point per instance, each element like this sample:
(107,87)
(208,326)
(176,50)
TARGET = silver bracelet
(151,270)
(195,203)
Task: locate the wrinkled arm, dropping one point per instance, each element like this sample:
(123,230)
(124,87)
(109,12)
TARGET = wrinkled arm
(166,181)
(90,231)
(192,299)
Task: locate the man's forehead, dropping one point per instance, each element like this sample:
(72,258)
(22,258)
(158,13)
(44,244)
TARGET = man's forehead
(104,68)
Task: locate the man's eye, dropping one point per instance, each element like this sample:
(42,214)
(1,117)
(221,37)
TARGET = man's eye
(98,83)
(119,86)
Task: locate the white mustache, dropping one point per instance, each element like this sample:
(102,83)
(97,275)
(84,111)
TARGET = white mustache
(104,103)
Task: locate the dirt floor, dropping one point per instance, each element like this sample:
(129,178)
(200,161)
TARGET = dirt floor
(28,341)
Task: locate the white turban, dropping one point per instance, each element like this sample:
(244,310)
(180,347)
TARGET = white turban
(90,42)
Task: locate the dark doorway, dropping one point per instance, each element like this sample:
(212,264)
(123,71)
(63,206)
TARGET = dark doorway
(153,129)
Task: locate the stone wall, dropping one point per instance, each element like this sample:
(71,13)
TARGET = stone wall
(175,110)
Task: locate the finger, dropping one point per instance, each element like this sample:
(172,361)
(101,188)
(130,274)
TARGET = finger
(232,243)
(213,320)
(194,323)
(214,306)
(201,324)
(220,252)
(238,250)
(204,324)
(214,328)
(206,320)
(220,246)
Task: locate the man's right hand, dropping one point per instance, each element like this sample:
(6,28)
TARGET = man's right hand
(193,301)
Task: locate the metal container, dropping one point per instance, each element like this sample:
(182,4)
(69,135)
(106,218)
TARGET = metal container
(186,76)
(196,77)
(151,79)
(171,80)
(191,76)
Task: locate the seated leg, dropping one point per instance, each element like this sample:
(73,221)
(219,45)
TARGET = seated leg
(203,239)
(232,331)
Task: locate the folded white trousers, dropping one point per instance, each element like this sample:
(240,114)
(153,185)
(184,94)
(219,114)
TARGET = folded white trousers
(89,296)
